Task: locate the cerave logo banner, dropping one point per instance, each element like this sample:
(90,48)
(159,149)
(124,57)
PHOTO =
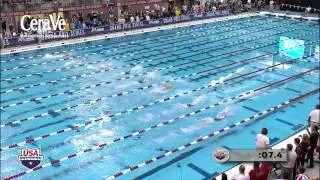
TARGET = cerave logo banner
(50,24)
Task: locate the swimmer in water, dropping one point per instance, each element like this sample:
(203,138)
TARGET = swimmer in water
(105,118)
(196,101)
(150,75)
(105,66)
(224,114)
(165,88)
(221,115)
(84,59)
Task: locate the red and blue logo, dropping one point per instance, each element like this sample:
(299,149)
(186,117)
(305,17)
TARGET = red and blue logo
(221,155)
(30,157)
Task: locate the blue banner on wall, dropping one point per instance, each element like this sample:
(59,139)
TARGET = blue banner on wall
(25,39)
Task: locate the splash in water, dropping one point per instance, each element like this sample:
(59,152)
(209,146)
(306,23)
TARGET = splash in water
(92,137)
(240,70)
(136,70)
(226,112)
(220,80)
(50,56)
(147,117)
(149,76)
(198,126)
(197,100)
(105,66)
(163,139)
(163,88)
(105,118)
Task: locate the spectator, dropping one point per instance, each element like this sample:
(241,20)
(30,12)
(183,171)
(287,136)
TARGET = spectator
(80,18)
(206,6)
(265,170)
(285,176)
(304,148)
(313,144)
(242,175)
(301,175)
(276,171)
(177,11)
(131,19)
(7,34)
(262,140)
(255,173)
(147,17)
(110,12)
(137,18)
(298,152)
(314,117)
(4,26)
(184,9)
(1,41)
(289,165)
(224,176)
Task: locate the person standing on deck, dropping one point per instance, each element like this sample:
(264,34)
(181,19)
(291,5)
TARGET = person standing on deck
(314,120)
(314,136)
(242,175)
(262,140)
(314,117)
(289,165)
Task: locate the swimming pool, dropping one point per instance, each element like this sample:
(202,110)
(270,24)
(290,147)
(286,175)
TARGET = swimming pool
(148,106)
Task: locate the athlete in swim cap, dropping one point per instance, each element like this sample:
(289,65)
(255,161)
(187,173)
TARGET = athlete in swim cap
(165,88)
(224,114)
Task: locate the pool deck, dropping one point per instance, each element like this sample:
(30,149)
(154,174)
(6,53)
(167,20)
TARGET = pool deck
(310,172)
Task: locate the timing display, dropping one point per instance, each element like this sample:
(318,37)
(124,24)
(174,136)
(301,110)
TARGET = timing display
(224,155)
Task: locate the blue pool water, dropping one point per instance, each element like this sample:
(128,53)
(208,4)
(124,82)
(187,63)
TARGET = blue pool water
(142,80)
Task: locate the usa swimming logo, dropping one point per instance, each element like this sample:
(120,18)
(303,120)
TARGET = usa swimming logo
(30,157)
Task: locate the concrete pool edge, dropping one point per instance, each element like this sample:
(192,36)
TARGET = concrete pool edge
(287,15)
(234,170)
(12,50)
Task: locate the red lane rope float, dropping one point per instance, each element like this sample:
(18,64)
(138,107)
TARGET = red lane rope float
(157,102)
(203,138)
